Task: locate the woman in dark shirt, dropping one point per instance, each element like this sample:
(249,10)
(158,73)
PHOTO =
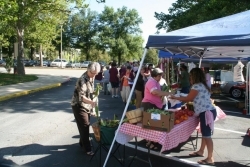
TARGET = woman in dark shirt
(114,80)
(139,88)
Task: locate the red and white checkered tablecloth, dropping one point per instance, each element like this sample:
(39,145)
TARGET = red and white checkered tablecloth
(180,133)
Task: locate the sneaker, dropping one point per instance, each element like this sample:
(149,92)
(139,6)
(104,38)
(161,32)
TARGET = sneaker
(113,96)
(117,96)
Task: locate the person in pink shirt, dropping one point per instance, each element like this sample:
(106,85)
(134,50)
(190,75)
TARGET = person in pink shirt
(152,92)
(153,96)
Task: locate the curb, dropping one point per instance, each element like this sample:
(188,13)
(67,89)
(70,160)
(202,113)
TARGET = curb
(26,92)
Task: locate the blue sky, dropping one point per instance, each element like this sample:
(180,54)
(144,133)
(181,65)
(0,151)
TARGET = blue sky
(145,8)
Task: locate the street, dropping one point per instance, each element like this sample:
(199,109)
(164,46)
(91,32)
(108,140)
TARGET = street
(38,130)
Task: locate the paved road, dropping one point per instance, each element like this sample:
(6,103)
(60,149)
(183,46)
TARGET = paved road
(39,130)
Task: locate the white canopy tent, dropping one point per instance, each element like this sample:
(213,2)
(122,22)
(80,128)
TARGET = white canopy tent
(224,37)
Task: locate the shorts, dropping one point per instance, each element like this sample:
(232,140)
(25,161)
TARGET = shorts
(205,129)
(114,84)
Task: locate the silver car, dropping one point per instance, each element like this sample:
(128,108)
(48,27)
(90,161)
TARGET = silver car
(235,89)
(85,64)
(71,65)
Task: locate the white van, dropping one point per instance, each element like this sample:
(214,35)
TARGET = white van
(58,63)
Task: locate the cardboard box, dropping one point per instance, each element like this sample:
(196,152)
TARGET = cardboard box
(158,121)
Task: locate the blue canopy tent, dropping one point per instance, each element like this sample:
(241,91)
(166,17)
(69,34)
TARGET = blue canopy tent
(224,37)
(217,60)
(165,54)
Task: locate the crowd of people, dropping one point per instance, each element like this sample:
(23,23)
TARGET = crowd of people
(149,94)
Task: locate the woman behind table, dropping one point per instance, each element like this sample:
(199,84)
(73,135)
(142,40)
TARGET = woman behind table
(152,93)
(200,95)
(184,79)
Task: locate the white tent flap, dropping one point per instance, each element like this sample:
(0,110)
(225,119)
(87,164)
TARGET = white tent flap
(238,76)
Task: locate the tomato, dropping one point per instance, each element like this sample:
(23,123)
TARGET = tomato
(176,121)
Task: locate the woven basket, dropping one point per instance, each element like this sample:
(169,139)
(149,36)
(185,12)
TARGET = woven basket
(97,131)
(134,116)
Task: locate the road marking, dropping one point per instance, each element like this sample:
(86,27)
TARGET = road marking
(233,131)
(230,98)
(168,156)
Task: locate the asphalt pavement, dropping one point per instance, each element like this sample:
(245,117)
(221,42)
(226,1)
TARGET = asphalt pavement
(49,137)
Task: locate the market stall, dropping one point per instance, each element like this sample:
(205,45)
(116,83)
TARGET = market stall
(225,37)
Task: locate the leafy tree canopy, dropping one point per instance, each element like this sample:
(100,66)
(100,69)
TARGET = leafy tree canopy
(185,13)
(117,30)
(152,57)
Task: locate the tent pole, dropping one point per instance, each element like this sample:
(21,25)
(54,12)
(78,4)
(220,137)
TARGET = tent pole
(247,101)
(179,65)
(200,62)
(127,104)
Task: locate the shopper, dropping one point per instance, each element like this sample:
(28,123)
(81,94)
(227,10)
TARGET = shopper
(126,78)
(83,103)
(200,95)
(106,77)
(139,89)
(114,80)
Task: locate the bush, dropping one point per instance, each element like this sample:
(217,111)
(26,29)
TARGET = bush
(9,64)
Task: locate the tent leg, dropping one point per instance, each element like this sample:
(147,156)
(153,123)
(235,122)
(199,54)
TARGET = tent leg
(200,62)
(127,104)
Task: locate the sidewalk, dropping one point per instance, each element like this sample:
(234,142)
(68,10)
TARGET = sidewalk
(42,83)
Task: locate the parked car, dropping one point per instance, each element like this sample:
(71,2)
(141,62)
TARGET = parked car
(85,64)
(31,63)
(71,65)
(235,89)
(2,63)
(102,63)
(78,64)
(58,63)
(46,63)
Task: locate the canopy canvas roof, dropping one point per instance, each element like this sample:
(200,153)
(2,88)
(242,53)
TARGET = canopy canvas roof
(184,58)
(224,37)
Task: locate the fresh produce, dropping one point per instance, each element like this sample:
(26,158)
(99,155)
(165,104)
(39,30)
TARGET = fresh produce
(96,94)
(158,111)
(165,88)
(97,90)
(182,115)
(109,122)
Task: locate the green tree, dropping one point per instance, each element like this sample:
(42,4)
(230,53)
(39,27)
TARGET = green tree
(84,29)
(151,56)
(118,30)
(185,13)
(20,14)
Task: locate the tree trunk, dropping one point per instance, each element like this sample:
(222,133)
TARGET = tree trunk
(32,52)
(20,57)
(41,55)
(119,59)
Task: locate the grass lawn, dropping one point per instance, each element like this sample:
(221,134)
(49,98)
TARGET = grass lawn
(8,79)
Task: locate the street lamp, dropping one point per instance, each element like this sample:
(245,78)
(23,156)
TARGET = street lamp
(61,46)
